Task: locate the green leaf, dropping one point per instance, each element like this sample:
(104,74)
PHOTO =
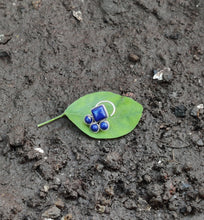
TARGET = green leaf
(127,115)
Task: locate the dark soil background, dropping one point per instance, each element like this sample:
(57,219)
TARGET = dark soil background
(49,59)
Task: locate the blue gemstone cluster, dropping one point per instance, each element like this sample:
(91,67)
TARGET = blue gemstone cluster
(97,121)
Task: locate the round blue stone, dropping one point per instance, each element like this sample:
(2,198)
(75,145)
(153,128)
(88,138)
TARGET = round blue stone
(104,125)
(88,119)
(94,127)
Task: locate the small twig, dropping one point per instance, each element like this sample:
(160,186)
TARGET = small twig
(173,157)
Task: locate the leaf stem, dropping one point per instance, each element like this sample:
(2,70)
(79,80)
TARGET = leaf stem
(51,120)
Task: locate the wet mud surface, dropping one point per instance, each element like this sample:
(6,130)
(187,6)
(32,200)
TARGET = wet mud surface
(51,55)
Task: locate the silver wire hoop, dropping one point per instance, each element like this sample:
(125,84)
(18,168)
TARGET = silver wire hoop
(109,103)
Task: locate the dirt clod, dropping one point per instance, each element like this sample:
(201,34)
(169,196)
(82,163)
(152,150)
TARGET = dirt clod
(112,160)
(130,204)
(180,111)
(16,136)
(71,189)
(154,190)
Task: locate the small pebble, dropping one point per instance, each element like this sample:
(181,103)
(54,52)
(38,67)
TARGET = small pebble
(200,106)
(201,192)
(196,58)
(142,205)
(197,140)
(200,143)
(77,15)
(5,54)
(4,38)
(99,167)
(59,203)
(52,212)
(158,74)
(46,188)
(109,191)
(67,217)
(147,178)
(133,57)
(196,110)
(100,208)
(36,4)
(189,209)
(40,150)
(164,75)
(180,111)
(57,181)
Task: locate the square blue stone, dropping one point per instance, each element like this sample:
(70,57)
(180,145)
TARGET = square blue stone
(99,113)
